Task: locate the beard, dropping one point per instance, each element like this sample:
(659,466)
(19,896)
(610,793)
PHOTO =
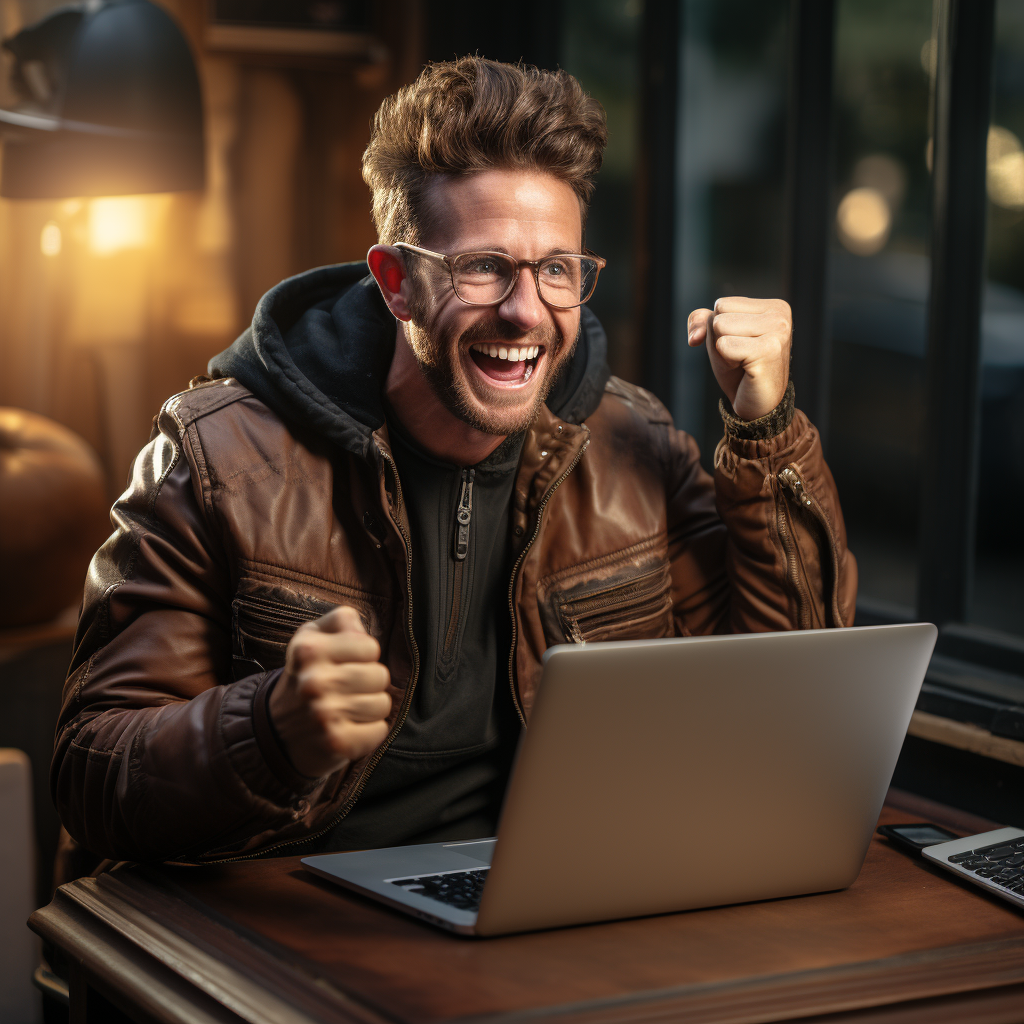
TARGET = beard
(439,359)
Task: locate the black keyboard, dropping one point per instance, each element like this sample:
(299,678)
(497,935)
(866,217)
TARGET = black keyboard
(1001,864)
(461,889)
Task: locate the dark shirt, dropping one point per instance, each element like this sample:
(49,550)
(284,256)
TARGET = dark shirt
(444,775)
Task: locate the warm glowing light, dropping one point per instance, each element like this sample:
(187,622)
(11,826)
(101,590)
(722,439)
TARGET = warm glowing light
(883,173)
(1005,167)
(118,223)
(863,221)
(50,240)
(1001,142)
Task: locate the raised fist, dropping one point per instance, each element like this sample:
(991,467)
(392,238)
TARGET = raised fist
(749,343)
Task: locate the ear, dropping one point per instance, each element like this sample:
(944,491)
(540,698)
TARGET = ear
(388,271)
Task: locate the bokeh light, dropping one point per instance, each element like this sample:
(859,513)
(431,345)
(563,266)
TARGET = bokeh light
(883,173)
(50,239)
(863,221)
(1005,168)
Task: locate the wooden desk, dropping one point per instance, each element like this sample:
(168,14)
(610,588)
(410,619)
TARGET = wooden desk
(263,941)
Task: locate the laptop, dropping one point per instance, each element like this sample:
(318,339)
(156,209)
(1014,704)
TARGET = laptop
(668,775)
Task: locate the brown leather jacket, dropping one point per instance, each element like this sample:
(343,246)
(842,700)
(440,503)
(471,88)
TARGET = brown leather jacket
(236,528)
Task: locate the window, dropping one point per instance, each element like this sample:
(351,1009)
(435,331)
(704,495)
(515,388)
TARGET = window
(997,598)
(879,270)
(601,48)
(730,177)
(852,135)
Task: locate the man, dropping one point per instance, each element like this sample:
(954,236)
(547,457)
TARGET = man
(318,624)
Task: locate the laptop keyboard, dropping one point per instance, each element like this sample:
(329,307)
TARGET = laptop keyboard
(1002,864)
(460,889)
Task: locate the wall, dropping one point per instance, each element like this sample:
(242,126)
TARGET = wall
(109,306)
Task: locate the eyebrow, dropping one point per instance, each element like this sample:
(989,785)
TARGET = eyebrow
(547,255)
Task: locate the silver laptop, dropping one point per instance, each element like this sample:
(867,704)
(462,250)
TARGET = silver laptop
(666,775)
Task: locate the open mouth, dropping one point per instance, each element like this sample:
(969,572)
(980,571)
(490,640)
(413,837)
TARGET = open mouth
(506,364)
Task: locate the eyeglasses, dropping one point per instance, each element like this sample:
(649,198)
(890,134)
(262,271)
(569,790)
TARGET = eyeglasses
(564,280)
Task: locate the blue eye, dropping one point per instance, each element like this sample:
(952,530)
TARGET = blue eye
(559,268)
(482,266)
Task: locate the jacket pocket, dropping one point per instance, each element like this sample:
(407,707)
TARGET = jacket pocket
(267,610)
(637,606)
(262,627)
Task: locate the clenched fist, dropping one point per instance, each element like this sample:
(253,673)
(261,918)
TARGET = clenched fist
(748,344)
(331,703)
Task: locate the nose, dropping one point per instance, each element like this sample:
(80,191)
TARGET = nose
(523,307)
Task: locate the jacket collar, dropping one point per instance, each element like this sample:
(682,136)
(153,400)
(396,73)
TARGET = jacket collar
(321,343)
(551,447)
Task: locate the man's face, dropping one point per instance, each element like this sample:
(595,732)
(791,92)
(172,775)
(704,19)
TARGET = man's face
(529,215)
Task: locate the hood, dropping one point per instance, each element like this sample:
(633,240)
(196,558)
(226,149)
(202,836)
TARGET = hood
(321,344)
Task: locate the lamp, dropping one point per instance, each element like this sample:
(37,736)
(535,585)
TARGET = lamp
(110,105)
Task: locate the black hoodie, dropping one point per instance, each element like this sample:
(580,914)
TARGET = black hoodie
(318,353)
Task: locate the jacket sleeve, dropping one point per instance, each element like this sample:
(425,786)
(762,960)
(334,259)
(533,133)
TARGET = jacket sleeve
(158,753)
(773,556)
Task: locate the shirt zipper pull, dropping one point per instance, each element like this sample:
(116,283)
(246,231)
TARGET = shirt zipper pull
(463,515)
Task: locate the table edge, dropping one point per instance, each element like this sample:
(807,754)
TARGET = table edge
(217,958)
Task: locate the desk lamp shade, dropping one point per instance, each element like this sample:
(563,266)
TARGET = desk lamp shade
(110,105)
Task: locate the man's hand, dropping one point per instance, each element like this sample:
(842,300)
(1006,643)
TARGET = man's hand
(331,703)
(749,350)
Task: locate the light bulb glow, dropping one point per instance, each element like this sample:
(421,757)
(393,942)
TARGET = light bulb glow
(863,221)
(50,240)
(117,223)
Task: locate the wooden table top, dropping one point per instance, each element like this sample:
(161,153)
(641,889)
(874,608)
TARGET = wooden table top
(267,941)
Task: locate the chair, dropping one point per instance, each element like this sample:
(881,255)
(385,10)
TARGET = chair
(19,1001)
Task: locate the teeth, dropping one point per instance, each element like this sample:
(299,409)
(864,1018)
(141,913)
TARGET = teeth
(513,355)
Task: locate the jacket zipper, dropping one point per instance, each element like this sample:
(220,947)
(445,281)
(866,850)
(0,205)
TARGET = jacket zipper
(268,611)
(793,566)
(575,633)
(273,616)
(399,722)
(463,516)
(515,572)
(790,479)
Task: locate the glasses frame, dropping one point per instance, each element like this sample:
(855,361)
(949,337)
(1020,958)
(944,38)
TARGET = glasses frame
(534,265)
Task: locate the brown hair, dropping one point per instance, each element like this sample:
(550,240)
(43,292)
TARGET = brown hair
(472,114)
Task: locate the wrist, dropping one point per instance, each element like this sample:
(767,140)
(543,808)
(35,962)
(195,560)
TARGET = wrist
(763,427)
(270,741)
(289,720)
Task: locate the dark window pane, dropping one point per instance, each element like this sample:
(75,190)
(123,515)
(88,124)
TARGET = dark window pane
(730,190)
(998,598)
(879,277)
(601,48)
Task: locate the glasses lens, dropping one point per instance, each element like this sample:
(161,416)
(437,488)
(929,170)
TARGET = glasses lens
(567,281)
(482,276)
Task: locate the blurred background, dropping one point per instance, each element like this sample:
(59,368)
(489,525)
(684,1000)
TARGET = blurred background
(126,297)
(108,305)
(110,301)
